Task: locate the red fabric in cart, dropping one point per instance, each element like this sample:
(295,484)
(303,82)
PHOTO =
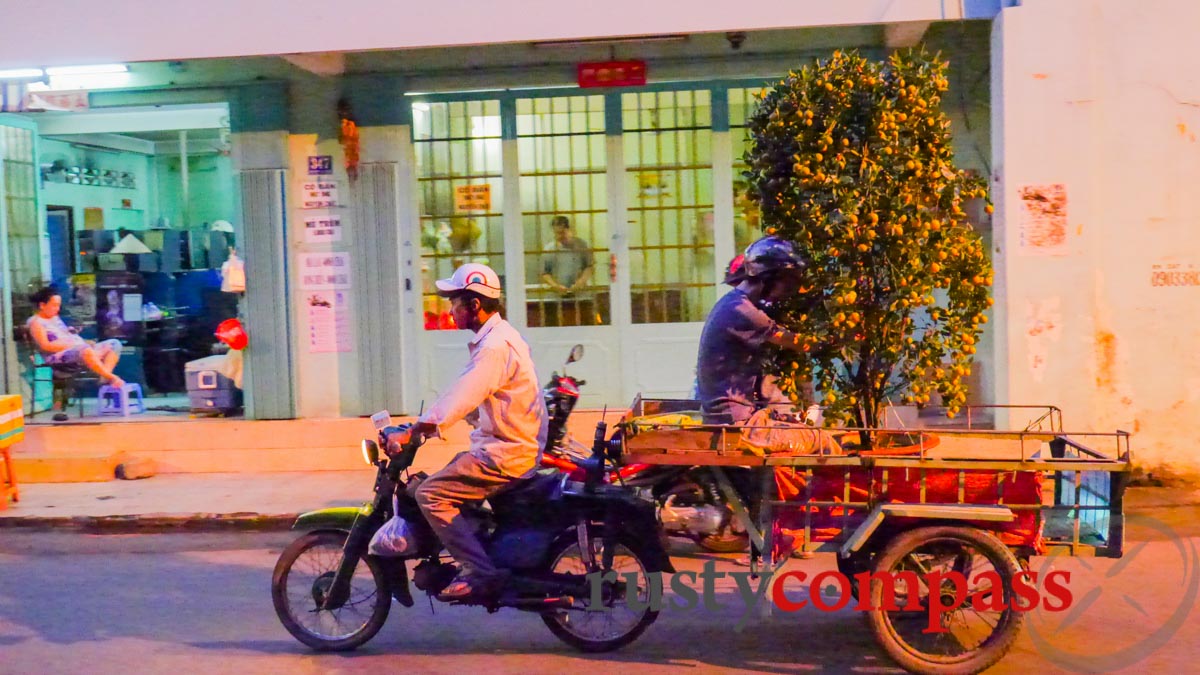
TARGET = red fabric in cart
(903,486)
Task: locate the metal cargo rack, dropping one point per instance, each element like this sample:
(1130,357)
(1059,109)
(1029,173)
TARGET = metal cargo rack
(1084,475)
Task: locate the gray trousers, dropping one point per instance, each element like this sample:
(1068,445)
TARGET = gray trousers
(441,496)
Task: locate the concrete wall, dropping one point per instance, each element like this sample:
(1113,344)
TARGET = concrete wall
(210,190)
(1103,97)
(143,198)
(219,28)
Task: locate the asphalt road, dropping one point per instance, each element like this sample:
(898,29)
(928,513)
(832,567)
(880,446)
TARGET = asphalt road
(171,604)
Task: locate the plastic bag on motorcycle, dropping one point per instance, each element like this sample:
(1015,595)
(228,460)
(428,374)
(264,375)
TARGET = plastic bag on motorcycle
(397,537)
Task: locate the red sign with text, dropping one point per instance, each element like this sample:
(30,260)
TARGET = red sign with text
(612,74)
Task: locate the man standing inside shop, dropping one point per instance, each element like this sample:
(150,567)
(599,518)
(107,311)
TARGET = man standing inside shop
(567,270)
(567,264)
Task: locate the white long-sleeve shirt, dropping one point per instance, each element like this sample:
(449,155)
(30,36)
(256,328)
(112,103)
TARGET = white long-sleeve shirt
(497,393)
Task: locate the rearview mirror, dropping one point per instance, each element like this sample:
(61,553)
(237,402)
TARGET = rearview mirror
(576,354)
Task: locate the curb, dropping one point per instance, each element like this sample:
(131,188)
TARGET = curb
(1160,506)
(154,523)
(1152,498)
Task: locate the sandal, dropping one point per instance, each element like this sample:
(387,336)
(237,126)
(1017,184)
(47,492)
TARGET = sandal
(459,589)
(465,588)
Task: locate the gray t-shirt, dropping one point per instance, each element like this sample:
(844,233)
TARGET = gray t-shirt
(565,262)
(731,383)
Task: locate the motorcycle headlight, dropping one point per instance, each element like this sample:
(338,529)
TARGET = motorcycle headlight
(370,452)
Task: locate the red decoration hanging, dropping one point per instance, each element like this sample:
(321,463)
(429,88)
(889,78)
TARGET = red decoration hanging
(348,138)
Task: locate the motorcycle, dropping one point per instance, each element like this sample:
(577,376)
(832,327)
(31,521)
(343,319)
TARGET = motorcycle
(548,533)
(689,502)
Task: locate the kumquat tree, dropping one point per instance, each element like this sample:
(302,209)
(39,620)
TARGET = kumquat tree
(850,158)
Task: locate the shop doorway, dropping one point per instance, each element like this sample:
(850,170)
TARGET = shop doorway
(137,224)
(60,231)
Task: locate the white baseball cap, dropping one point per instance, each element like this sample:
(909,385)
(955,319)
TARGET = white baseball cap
(472,277)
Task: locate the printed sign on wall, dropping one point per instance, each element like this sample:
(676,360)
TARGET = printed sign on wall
(324,271)
(1166,274)
(328,322)
(46,101)
(318,194)
(473,198)
(322,229)
(1043,220)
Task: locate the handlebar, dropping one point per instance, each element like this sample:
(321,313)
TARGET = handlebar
(386,433)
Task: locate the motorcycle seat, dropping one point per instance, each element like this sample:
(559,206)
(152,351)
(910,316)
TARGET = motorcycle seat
(541,486)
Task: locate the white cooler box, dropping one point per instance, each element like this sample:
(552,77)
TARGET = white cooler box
(208,389)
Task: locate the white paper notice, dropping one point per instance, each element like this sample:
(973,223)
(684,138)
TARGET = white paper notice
(322,229)
(324,271)
(328,322)
(1043,224)
(131,307)
(318,194)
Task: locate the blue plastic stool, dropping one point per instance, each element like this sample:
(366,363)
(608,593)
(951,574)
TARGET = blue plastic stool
(116,400)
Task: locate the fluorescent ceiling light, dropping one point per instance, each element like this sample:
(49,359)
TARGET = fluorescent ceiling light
(88,70)
(20,73)
(592,42)
(453,91)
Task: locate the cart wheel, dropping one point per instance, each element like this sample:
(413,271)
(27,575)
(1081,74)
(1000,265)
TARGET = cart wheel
(974,639)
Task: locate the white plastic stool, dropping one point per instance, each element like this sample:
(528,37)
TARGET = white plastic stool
(117,400)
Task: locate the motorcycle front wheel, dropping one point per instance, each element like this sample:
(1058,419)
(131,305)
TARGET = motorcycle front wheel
(617,624)
(303,577)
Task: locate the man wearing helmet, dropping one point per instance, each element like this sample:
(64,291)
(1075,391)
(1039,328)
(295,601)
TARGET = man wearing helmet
(498,393)
(732,383)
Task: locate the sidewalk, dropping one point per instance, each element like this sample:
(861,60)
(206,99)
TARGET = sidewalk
(215,501)
(199,501)
(267,501)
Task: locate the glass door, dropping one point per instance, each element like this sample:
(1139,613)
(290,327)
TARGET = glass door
(670,228)
(562,160)
(460,184)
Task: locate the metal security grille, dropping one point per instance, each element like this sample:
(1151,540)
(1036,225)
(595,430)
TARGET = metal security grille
(668,160)
(460,185)
(20,215)
(562,160)
(376,246)
(269,375)
(19,227)
(746,224)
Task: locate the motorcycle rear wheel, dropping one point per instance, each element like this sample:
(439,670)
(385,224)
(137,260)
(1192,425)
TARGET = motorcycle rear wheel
(575,626)
(725,542)
(297,592)
(727,539)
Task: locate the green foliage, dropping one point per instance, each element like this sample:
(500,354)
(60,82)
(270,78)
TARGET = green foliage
(850,158)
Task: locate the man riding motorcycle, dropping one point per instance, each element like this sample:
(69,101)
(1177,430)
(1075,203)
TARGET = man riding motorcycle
(731,382)
(499,394)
